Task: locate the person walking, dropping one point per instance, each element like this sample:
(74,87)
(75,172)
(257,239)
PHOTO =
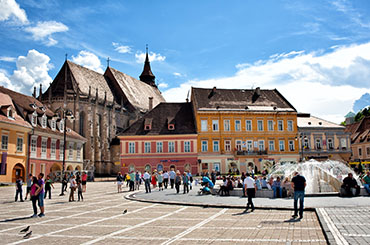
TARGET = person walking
(137,180)
(190,180)
(298,185)
(165,179)
(172,175)
(29,184)
(132,180)
(185,181)
(35,189)
(154,179)
(119,180)
(64,183)
(250,186)
(177,181)
(72,186)
(84,181)
(79,189)
(18,189)
(40,194)
(160,181)
(48,185)
(147,182)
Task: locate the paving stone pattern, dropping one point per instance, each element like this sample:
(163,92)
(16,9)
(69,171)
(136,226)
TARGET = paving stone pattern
(100,220)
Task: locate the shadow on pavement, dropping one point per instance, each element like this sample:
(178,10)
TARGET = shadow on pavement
(292,220)
(15,219)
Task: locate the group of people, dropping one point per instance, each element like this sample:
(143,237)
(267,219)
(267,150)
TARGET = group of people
(351,187)
(162,179)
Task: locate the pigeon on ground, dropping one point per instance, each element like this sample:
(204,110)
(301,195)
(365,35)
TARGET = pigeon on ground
(25,229)
(125,211)
(27,235)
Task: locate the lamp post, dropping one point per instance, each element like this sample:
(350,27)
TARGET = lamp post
(301,139)
(64,114)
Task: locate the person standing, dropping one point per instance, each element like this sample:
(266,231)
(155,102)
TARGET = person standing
(84,181)
(48,185)
(298,185)
(35,189)
(18,188)
(119,182)
(64,182)
(147,182)
(172,175)
(72,186)
(185,181)
(137,180)
(132,181)
(177,181)
(154,179)
(165,179)
(40,194)
(29,184)
(79,189)
(250,187)
(213,177)
(190,180)
(160,181)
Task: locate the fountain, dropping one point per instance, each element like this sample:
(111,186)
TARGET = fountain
(320,176)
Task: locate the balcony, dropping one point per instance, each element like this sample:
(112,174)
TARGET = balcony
(250,153)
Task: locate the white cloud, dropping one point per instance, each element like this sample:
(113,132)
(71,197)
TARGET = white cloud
(88,60)
(42,31)
(7,59)
(9,9)
(177,74)
(140,57)
(163,85)
(121,48)
(32,70)
(324,84)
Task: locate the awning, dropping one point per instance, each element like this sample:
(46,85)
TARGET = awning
(356,163)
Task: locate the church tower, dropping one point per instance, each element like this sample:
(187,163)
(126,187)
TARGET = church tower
(147,74)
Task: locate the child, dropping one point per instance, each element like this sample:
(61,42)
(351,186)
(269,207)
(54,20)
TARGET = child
(79,187)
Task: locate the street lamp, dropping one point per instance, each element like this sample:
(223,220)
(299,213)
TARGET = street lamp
(301,139)
(64,114)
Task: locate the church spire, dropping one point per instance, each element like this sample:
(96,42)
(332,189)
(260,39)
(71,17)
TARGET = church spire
(147,74)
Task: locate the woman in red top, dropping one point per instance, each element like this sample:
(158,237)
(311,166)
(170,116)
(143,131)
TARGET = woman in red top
(35,189)
(84,180)
(154,179)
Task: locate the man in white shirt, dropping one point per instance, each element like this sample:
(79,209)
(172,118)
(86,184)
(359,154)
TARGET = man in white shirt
(172,175)
(250,187)
(165,179)
(147,181)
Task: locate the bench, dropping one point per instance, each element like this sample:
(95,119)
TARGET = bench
(239,192)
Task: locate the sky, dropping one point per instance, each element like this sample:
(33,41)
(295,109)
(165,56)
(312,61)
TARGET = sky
(316,53)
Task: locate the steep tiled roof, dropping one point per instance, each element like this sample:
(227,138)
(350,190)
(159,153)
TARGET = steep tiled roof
(240,99)
(360,130)
(315,122)
(181,113)
(5,100)
(136,92)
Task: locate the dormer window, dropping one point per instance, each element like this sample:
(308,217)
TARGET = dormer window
(34,106)
(34,119)
(171,126)
(61,125)
(148,123)
(43,108)
(171,123)
(53,124)
(44,121)
(10,113)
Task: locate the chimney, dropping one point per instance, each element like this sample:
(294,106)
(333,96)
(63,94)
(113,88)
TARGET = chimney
(258,91)
(49,94)
(150,103)
(213,92)
(256,94)
(40,91)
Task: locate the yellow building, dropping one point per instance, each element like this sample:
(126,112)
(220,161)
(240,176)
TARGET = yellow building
(240,130)
(13,141)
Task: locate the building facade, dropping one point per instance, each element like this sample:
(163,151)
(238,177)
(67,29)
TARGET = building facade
(322,140)
(240,130)
(165,138)
(103,105)
(14,132)
(360,141)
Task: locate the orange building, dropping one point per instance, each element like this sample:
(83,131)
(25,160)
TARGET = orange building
(240,129)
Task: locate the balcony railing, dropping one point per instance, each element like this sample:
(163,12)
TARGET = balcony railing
(245,153)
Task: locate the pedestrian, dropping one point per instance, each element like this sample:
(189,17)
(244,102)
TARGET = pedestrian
(185,181)
(250,186)
(84,181)
(213,177)
(366,182)
(298,185)
(160,181)
(29,184)
(48,185)
(190,180)
(72,186)
(172,175)
(78,178)
(132,181)
(276,186)
(119,180)
(165,179)
(177,181)
(127,178)
(18,188)
(40,194)
(154,179)
(79,189)
(147,181)
(34,196)
(137,180)
(64,183)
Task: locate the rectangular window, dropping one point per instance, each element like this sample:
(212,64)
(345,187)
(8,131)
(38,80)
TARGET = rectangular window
(42,168)
(368,151)
(248,125)
(19,144)
(159,147)
(216,146)
(226,125)
(131,147)
(70,151)
(237,125)
(290,125)
(171,146)
(260,125)
(32,170)
(318,144)
(187,146)
(204,126)
(249,145)
(330,144)
(291,145)
(270,125)
(61,150)
(44,143)
(78,152)
(261,145)
(343,142)
(147,147)
(4,142)
(215,125)
(238,145)
(306,143)
(280,125)
(227,145)
(33,146)
(53,149)
(204,146)
(281,145)
(359,151)
(271,145)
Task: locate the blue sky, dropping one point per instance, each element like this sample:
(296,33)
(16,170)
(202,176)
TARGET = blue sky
(316,53)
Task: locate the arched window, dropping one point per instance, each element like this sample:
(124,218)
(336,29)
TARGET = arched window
(82,124)
(131,168)
(159,167)
(148,168)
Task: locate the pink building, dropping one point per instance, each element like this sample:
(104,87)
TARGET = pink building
(164,138)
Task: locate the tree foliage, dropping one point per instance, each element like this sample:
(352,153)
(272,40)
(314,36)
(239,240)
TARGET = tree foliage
(363,113)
